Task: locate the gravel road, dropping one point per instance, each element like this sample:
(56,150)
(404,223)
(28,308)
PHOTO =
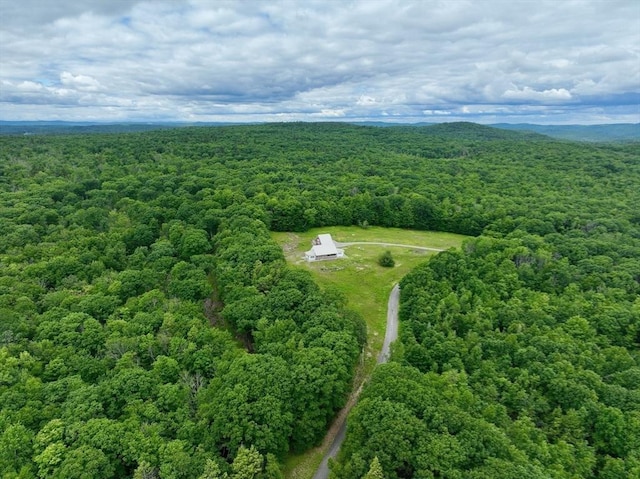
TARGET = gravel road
(391,333)
(390,336)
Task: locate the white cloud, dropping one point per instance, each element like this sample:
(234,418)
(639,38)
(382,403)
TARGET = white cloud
(440,112)
(80,82)
(529,94)
(329,113)
(366,100)
(316,59)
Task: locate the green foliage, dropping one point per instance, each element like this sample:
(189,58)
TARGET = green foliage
(506,370)
(247,464)
(375,470)
(120,252)
(212,470)
(15,448)
(386,260)
(306,342)
(272,468)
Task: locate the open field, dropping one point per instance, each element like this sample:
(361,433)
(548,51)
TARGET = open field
(365,284)
(358,276)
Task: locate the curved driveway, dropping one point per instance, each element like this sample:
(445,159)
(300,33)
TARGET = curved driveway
(390,336)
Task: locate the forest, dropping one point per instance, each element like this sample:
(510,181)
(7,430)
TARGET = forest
(151,328)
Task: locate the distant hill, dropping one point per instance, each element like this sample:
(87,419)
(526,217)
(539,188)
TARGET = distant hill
(593,133)
(475,131)
(463,130)
(65,128)
(622,132)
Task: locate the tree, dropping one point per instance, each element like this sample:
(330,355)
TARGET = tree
(15,447)
(386,260)
(50,458)
(145,471)
(177,461)
(249,402)
(272,468)
(194,241)
(375,471)
(247,463)
(85,462)
(212,471)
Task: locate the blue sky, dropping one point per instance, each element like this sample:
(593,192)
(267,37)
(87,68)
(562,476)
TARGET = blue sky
(488,61)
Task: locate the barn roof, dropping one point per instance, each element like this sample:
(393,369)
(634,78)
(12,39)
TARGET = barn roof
(326,246)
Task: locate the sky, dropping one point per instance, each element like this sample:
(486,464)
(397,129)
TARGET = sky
(486,61)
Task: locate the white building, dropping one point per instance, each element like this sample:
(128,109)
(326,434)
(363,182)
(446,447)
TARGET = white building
(322,248)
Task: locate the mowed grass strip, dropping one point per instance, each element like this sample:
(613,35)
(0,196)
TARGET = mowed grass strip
(366,286)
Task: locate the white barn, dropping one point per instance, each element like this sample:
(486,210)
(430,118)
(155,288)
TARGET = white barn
(323,248)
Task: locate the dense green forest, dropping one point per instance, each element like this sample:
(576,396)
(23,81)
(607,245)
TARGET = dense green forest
(621,132)
(151,328)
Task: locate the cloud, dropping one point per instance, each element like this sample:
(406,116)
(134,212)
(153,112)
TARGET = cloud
(528,94)
(442,112)
(80,82)
(200,60)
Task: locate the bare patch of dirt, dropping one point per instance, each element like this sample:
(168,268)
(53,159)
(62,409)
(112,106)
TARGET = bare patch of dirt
(293,240)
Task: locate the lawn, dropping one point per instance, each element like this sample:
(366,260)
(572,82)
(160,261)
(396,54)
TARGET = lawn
(365,284)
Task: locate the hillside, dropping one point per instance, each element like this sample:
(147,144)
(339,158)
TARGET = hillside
(81,128)
(592,133)
(458,130)
(474,131)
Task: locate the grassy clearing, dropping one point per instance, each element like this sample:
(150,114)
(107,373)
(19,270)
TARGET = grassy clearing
(366,286)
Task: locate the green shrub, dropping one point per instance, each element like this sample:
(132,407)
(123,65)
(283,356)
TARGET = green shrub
(386,260)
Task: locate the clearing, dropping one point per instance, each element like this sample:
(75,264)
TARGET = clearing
(366,286)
